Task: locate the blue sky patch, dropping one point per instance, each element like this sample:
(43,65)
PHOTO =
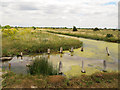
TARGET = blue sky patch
(110,3)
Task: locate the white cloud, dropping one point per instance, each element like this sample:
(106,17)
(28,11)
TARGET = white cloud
(82,13)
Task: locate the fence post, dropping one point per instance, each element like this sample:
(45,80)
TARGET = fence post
(9,66)
(83,71)
(60,67)
(48,51)
(71,49)
(108,53)
(61,50)
(81,49)
(104,66)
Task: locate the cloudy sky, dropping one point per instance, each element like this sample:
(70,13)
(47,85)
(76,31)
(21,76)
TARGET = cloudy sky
(81,13)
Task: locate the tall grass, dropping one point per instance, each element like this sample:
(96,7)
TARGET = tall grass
(33,41)
(97,35)
(42,66)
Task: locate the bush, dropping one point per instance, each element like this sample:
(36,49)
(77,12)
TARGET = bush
(74,28)
(33,27)
(42,66)
(96,29)
(109,35)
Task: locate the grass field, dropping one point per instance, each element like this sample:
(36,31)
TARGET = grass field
(97,80)
(31,41)
(89,33)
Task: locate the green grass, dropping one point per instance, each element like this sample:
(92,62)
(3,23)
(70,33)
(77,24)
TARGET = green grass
(42,66)
(96,80)
(31,41)
(97,35)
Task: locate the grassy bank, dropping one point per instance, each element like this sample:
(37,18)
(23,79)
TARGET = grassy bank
(91,34)
(97,80)
(31,41)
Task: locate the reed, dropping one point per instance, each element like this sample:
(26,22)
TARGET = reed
(41,66)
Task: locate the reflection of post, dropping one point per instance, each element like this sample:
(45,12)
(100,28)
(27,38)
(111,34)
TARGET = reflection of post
(108,53)
(48,56)
(104,66)
(61,50)
(61,55)
(71,53)
(9,66)
(83,71)
(48,51)
(60,67)
(81,49)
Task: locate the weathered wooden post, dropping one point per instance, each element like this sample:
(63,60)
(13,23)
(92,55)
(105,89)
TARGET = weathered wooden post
(81,49)
(107,50)
(60,68)
(9,66)
(48,51)
(61,50)
(71,49)
(104,66)
(83,71)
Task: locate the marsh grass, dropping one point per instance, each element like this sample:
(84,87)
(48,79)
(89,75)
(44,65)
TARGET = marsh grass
(91,34)
(41,66)
(31,41)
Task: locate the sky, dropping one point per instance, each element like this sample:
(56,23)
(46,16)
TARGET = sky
(60,13)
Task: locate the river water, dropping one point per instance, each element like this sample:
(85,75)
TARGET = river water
(93,56)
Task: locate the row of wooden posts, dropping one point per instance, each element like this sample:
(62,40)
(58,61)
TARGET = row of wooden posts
(83,70)
(61,50)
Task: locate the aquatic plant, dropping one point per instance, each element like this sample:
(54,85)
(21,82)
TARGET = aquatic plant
(42,66)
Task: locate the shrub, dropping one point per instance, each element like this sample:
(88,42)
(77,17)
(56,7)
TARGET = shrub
(42,66)
(96,29)
(109,35)
(74,28)
(33,27)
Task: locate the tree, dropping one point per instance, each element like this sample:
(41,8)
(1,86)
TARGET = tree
(7,27)
(74,28)
(96,29)
(33,27)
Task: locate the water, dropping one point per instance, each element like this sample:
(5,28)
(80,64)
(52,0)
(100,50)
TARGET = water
(93,55)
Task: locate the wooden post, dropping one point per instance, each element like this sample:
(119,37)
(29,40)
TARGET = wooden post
(9,66)
(104,66)
(107,50)
(81,49)
(48,51)
(21,54)
(61,50)
(60,67)
(71,49)
(83,71)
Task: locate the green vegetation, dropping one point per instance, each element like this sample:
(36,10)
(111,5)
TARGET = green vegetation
(91,34)
(74,28)
(33,27)
(96,29)
(31,41)
(42,66)
(97,80)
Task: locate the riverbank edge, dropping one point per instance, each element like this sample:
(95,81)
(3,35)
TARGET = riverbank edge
(88,37)
(96,80)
